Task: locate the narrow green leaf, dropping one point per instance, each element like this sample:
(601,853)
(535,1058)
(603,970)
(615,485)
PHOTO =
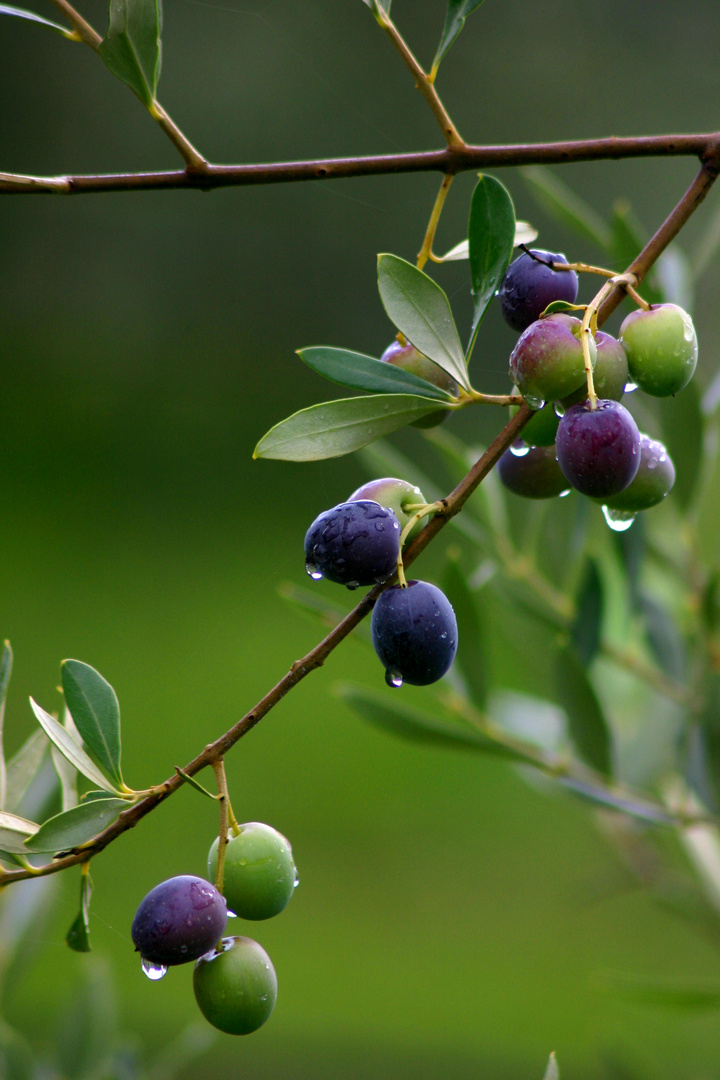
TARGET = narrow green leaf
(457,13)
(663,637)
(682,424)
(491,235)
(75,827)
(627,239)
(334,428)
(71,749)
(560,306)
(552,1072)
(23,767)
(587,726)
(472,658)
(408,722)
(681,994)
(625,803)
(194,783)
(673,278)
(586,630)
(131,49)
(561,202)
(78,936)
(14,831)
(94,708)
(316,604)
(364,373)
(21,13)
(421,311)
(382,5)
(6,660)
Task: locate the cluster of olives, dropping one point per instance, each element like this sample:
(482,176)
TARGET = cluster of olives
(184,918)
(414,630)
(593,446)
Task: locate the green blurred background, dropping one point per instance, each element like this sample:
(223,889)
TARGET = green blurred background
(451,920)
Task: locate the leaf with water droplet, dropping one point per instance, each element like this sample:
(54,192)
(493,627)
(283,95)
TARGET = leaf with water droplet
(334,428)
(491,235)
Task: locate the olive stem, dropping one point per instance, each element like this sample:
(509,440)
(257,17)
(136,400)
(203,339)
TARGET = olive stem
(422,510)
(219,770)
(426,252)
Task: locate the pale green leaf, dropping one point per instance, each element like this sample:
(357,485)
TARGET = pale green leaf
(6,660)
(334,428)
(71,749)
(421,311)
(21,13)
(75,827)
(131,49)
(78,936)
(14,831)
(23,767)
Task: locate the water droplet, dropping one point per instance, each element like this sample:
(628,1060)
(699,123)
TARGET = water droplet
(313,571)
(534,402)
(652,463)
(559,409)
(231,914)
(519,448)
(564,494)
(629,387)
(296,882)
(393,678)
(353,585)
(153,971)
(618,520)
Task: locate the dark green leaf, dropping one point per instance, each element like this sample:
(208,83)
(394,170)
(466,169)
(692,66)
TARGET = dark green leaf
(663,637)
(472,657)
(408,722)
(552,1072)
(23,767)
(334,428)
(14,831)
(94,708)
(131,49)
(21,13)
(457,13)
(363,373)
(71,749)
(75,827)
(682,424)
(421,311)
(194,783)
(561,202)
(586,629)
(587,726)
(78,936)
(491,235)
(669,993)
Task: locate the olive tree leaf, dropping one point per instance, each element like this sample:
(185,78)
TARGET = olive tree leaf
(71,749)
(364,373)
(334,428)
(131,49)
(6,660)
(587,725)
(75,827)
(21,13)
(457,13)
(683,426)
(23,767)
(78,936)
(94,708)
(379,5)
(552,1072)
(421,311)
(472,658)
(586,629)
(524,234)
(491,235)
(14,831)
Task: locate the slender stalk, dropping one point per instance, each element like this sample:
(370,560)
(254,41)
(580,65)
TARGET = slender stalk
(83,29)
(425,252)
(221,779)
(449,160)
(424,84)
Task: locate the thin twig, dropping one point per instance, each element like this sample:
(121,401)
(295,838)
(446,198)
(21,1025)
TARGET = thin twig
(446,161)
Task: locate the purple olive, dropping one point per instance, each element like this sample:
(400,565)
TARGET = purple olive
(598,449)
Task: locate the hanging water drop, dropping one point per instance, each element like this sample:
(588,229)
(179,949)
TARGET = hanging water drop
(153,971)
(534,402)
(231,914)
(313,571)
(519,448)
(296,882)
(618,520)
(629,387)
(393,678)
(564,494)
(353,585)
(559,409)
